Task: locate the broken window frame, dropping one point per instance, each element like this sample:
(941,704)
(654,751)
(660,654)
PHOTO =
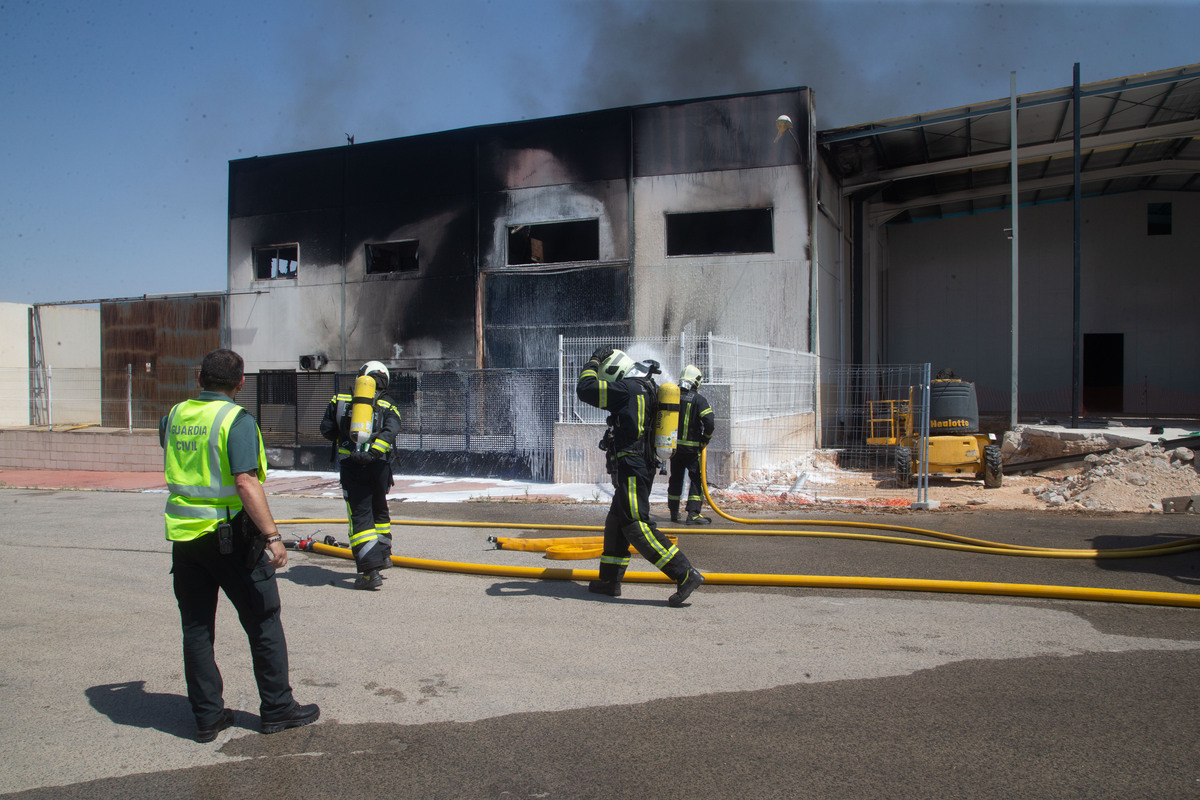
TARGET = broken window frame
(739,231)
(559,243)
(396,257)
(268,258)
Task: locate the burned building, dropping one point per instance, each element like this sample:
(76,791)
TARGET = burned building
(478,248)
(892,242)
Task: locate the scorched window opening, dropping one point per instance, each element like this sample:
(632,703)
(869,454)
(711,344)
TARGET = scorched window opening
(554,242)
(711,233)
(276,262)
(384,258)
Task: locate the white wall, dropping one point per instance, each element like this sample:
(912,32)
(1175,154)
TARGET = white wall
(949,290)
(14,364)
(761,297)
(71,348)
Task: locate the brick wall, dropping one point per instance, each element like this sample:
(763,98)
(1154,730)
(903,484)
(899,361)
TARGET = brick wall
(95,449)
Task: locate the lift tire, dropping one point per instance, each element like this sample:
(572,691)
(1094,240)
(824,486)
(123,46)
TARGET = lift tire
(993,467)
(904,467)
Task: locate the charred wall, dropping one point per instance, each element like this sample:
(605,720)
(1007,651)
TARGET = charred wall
(515,234)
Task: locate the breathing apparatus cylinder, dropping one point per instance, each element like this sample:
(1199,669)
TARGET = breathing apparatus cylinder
(666,428)
(362,410)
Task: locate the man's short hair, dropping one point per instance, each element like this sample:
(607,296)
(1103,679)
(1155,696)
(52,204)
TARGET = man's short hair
(221,371)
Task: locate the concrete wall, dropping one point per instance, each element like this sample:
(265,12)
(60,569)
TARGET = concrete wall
(460,193)
(949,288)
(86,449)
(758,297)
(14,364)
(71,347)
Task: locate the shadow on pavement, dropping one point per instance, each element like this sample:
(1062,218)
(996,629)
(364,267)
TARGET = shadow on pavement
(1181,567)
(562,590)
(130,704)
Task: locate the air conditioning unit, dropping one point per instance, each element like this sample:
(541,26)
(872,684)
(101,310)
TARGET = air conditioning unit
(313,362)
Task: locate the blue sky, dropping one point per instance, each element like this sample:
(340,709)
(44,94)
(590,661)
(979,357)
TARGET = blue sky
(118,119)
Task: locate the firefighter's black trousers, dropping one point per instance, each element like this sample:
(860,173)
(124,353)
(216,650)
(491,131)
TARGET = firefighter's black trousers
(199,571)
(365,486)
(685,461)
(628,523)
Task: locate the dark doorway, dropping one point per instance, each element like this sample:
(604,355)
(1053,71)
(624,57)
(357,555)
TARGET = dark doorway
(1104,373)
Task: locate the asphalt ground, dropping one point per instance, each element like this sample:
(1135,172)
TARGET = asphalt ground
(445,685)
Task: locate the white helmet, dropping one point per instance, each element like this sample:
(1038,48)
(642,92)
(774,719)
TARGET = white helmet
(691,379)
(379,372)
(615,366)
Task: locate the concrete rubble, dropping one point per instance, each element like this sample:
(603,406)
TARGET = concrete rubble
(1125,480)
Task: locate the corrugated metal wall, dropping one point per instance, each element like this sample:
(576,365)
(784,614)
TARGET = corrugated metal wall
(163,340)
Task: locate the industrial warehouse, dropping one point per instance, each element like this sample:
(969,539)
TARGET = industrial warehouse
(810,272)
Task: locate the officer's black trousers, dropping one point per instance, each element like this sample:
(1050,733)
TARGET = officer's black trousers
(365,487)
(199,571)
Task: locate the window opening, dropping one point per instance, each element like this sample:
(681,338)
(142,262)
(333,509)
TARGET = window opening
(387,257)
(554,242)
(708,233)
(1158,219)
(276,261)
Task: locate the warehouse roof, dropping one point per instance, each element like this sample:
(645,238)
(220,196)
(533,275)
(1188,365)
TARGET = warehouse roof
(1141,132)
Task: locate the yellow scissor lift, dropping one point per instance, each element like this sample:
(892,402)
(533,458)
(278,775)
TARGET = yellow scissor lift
(891,424)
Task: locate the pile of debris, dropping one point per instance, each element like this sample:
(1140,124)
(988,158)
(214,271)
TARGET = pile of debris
(1124,480)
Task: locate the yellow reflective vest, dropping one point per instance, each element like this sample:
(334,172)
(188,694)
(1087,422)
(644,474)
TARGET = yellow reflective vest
(196,465)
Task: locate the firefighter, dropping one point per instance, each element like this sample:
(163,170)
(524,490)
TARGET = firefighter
(696,427)
(363,427)
(611,381)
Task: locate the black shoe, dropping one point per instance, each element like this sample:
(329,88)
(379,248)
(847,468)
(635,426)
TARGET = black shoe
(674,516)
(696,519)
(207,733)
(299,715)
(369,580)
(610,588)
(689,584)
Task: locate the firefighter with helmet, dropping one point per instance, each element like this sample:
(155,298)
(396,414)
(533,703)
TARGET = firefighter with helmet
(696,427)
(612,381)
(363,427)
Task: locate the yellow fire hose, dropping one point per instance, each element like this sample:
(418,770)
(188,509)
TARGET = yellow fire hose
(579,548)
(1129,552)
(802,581)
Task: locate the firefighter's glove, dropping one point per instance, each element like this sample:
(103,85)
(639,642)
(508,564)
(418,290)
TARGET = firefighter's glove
(361,457)
(602,353)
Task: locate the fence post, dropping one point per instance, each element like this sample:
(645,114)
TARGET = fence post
(49,396)
(561,378)
(129,396)
(923,480)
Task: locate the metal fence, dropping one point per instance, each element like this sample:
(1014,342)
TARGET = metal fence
(787,425)
(495,423)
(763,381)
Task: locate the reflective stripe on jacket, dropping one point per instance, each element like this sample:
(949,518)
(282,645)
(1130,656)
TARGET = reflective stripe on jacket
(696,423)
(202,487)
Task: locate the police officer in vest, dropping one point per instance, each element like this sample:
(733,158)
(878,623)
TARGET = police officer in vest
(215,465)
(611,381)
(366,472)
(696,427)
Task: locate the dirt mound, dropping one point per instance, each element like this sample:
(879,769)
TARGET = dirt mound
(1125,480)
